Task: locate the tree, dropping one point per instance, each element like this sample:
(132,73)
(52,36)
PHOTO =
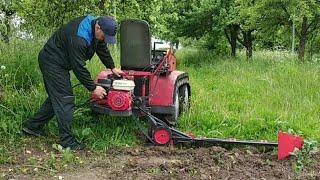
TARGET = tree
(43,16)
(246,16)
(7,8)
(234,19)
(205,19)
(172,14)
(303,14)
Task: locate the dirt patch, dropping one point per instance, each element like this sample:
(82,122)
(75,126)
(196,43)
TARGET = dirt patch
(178,163)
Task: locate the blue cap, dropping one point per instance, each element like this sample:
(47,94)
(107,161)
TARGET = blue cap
(109,27)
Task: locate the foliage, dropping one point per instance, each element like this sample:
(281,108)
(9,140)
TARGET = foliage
(304,156)
(7,8)
(303,15)
(204,20)
(43,16)
(213,24)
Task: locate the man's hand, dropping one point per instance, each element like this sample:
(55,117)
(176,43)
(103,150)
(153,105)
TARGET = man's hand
(99,92)
(116,71)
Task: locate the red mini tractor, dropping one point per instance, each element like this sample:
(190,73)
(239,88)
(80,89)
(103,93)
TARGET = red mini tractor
(152,87)
(150,80)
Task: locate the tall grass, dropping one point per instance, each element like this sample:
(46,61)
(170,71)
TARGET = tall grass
(231,97)
(251,99)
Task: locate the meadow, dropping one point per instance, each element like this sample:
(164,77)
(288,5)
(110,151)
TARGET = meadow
(231,98)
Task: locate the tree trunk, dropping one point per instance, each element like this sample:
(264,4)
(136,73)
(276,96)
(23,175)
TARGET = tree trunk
(248,46)
(303,38)
(6,35)
(7,15)
(302,47)
(177,44)
(234,35)
(231,32)
(247,42)
(249,51)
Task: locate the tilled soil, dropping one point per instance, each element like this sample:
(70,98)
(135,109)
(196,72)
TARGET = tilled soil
(183,163)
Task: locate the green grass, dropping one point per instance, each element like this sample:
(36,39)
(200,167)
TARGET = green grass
(230,98)
(251,99)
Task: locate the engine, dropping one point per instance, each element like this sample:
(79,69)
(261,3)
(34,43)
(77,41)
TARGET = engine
(119,100)
(119,94)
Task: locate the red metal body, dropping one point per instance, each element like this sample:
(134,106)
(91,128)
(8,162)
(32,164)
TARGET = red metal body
(161,88)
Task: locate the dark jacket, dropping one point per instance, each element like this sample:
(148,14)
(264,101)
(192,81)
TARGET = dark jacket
(72,45)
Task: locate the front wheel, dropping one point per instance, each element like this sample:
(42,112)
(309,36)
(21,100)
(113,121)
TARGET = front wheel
(184,99)
(181,104)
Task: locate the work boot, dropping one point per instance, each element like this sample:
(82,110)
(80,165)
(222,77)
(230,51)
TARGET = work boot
(75,145)
(33,132)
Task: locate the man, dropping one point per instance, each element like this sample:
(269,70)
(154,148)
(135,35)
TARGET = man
(68,49)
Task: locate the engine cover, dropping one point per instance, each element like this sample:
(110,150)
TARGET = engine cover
(124,84)
(119,100)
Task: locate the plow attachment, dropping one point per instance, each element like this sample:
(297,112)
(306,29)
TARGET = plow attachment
(287,143)
(162,134)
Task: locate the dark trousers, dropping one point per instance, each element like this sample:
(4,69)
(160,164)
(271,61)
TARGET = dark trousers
(60,101)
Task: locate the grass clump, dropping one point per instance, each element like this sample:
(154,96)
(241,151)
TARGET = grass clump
(304,156)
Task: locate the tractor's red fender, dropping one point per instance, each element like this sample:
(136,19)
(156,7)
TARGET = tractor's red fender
(163,88)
